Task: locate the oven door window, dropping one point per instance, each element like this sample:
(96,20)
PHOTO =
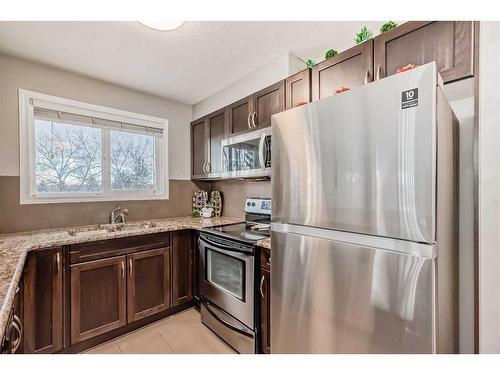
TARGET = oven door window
(225,272)
(241,156)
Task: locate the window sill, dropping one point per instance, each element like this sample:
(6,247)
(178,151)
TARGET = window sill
(94,198)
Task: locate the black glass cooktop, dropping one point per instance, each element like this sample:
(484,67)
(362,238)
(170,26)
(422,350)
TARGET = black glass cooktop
(239,232)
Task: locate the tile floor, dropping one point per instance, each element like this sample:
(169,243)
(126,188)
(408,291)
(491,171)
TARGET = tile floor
(183,333)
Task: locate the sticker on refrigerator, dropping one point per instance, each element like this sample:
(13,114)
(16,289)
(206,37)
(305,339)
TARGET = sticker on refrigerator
(409,98)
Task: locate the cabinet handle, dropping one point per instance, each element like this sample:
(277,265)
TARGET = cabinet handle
(58,262)
(16,319)
(17,341)
(261,285)
(123,270)
(130,267)
(248,121)
(377,75)
(208,167)
(367,75)
(254,116)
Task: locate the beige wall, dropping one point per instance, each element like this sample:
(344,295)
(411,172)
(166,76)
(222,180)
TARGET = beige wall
(16,74)
(19,218)
(234,193)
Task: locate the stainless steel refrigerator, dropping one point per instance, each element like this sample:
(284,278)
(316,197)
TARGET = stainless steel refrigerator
(364,251)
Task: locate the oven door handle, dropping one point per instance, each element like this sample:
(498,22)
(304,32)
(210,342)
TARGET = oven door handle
(223,322)
(221,246)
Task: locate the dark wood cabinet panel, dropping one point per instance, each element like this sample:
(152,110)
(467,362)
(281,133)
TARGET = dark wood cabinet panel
(449,43)
(238,116)
(298,89)
(182,267)
(148,285)
(351,68)
(199,151)
(265,311)
(98,297)
(88,251)
(216,133)
(268,102)
(43,302)
(265,258)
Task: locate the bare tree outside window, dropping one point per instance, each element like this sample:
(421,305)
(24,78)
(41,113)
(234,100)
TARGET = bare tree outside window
(132,161)
(68,157)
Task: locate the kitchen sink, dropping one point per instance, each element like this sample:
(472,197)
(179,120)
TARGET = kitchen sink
(109,228)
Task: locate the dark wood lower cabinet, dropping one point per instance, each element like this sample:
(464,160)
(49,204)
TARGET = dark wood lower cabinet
(43,302)
(182,267)
(98,297)
(265,311)
(78,296)
(148,289)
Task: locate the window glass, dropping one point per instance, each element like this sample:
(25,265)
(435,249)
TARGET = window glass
(68,158)
(132,161)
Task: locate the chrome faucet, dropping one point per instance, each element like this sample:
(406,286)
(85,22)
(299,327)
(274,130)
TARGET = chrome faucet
(120,217)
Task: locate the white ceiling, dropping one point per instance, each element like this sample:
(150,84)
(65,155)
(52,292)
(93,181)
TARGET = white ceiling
(187,64)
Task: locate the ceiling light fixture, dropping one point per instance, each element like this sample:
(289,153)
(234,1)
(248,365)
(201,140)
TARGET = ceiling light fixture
(162,25)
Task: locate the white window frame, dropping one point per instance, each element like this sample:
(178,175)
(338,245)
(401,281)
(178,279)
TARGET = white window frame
(28,194)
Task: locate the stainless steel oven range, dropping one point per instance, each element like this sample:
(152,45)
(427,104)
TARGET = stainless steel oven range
(227,275)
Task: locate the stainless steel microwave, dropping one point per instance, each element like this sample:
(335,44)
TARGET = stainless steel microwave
(247,155)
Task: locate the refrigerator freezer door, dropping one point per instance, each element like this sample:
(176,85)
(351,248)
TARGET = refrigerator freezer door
(362,161)
(335,297)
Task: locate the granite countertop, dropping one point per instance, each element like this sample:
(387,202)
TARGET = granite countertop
(15,246)
(266,243)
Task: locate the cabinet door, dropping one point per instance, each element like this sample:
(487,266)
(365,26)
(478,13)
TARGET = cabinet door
(43,301)
(148,289)
(238,116)
(350,68)
(199,140)
(216,131)
(298,89)
(449,43)
(268,102)
(182,267)
(265,312)
(98,297)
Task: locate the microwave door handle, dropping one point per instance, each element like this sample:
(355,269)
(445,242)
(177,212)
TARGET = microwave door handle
(261,151)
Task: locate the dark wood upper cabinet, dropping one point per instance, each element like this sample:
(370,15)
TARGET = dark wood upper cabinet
(298,89)
(351,68)
(98,297)
(148,285)
(43,301)
(239,116)
(267,102)
(199,149)
(265,311)
(449,43)
(182,267)
(216,123)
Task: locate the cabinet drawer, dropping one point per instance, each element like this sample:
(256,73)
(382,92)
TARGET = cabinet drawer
(85,252)
(265,258)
